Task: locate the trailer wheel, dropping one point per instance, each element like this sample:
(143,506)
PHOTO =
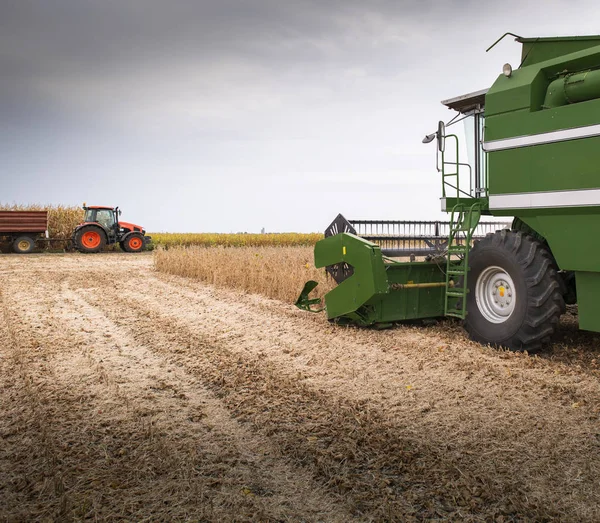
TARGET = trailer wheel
(90,239)
(514,296)
(23,245)
(134,243)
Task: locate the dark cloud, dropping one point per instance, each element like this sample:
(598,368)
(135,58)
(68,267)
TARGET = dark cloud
(65,42)
(110,37)
(66,59)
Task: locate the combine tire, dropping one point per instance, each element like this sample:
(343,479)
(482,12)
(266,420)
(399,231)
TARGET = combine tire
(90,239)
(514,298)
(133,243)
(23,245)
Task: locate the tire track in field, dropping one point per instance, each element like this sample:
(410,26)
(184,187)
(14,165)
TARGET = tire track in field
(109,430)
(331,441)
(31,482)
(257,473)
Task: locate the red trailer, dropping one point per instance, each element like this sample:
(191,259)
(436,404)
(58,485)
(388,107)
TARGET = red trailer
(23,228)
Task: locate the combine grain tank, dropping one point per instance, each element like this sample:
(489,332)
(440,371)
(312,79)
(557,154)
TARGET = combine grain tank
(534,156)
(23,228)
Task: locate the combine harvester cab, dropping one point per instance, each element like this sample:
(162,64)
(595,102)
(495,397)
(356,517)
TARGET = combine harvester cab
(534,157)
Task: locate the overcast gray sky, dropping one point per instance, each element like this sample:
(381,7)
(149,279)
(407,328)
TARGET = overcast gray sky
(235,115)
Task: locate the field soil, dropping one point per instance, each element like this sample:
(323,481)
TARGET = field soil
(128,394)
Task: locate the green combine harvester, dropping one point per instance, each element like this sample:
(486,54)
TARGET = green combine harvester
(534,143)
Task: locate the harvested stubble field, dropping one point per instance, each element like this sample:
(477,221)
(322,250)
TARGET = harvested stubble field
(131,394)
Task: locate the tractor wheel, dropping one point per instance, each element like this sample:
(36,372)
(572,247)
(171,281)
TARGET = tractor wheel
(90,239)
(23,245)
(122,245)
(133,243)
(514,298)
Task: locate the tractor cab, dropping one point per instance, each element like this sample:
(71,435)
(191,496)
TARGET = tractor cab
(107,217)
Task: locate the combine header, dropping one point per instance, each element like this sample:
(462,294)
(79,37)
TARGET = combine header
(534,155)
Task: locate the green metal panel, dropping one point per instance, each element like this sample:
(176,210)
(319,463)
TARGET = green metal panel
(588,292)
(515,93)
(541,49)
(450,203)
(369,276)
(568,236)
(551,167)
(409,303)
(525,123)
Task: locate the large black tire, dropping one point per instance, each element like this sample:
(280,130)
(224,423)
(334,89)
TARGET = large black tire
(566,278)
(90,239)
(535,289)
(23,245)
(133,242)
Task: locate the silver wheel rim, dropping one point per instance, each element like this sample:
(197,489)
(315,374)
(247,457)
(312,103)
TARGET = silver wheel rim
(495,294)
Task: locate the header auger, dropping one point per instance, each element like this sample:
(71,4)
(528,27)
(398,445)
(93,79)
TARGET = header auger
(533,156)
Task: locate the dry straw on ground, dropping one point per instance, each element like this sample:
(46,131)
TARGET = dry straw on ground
(275,272)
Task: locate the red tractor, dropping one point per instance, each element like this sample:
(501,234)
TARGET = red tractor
(101,226)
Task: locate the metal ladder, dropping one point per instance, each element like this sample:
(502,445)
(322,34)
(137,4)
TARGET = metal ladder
(463,222)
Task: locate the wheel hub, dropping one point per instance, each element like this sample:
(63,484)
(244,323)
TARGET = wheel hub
(495,294)
(91,239)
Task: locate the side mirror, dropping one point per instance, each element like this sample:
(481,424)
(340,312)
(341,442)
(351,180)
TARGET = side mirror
(441,136)
(120,212)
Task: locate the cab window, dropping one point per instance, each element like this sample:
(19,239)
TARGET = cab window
(105,217)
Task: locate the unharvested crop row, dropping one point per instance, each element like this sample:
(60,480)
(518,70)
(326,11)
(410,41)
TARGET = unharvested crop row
(170,240)
(275,272)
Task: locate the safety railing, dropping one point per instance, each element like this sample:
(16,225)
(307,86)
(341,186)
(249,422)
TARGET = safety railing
(419,238)
(450,169)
